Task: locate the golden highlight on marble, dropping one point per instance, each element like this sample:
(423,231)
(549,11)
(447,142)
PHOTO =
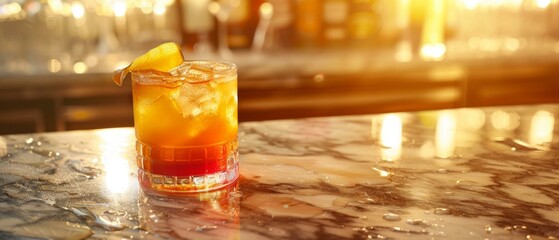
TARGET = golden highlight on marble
(485,173)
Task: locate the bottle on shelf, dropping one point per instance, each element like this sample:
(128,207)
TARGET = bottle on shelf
(417,14)
(308,23)
(239,25)
(274,25)
(334,18)
(390,21)
(198,26)
(363,22)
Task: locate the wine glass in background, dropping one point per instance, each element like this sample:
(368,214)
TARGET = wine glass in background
(222,9)
(31,37)
(197,26)
(266,12)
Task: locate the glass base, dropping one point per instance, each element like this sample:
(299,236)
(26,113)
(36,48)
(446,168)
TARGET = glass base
(187,169)
(175,184)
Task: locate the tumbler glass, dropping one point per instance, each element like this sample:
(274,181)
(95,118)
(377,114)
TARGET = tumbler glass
(186,126)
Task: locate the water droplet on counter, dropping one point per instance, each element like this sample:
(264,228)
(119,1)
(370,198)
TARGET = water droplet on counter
(285,206)
(516,228)
(402,230)
(108,224)
(386,160)
(29,141)
(50,171)
(99,220)
(441,211)
(382,172)
(110,211)
(81,212)
(516,144)
(488,229)
(204,228)
(418,222)
(116,213)
(363,229)
(78,166)
(376,236)
(391,217)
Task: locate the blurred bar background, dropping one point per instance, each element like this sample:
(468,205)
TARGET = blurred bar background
(296,58)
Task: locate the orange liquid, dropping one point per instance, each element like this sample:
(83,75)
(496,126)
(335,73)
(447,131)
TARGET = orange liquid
(199,116)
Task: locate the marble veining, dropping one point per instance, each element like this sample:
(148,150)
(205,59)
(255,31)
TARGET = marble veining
(487,173)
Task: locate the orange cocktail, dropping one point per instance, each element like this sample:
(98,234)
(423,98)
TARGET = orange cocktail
(186,126)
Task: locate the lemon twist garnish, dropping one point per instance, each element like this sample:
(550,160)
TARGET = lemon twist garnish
(161,58)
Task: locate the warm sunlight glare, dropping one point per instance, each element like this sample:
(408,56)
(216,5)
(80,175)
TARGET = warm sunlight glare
(391,138)
(541,128)
(116,166)
(445,135)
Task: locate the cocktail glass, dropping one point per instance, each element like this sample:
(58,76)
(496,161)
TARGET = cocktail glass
(186,126)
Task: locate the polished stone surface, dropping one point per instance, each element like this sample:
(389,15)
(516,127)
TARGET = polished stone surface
(490,173)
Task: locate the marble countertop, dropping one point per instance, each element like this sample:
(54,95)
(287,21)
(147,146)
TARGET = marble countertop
(488,173)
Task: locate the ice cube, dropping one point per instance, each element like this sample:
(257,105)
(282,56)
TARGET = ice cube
(231,109)
(181,69)
(194,71)
(194,99)
(145,102)
(198,95)
(207,108)
(155,80)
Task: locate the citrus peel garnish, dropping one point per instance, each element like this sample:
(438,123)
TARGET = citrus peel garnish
(161,58)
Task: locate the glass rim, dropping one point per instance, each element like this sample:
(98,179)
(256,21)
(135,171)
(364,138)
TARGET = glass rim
(228,69)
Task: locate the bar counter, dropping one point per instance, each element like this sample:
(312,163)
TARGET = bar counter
(470,173)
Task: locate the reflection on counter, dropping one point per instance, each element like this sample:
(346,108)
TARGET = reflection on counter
(541,129)
(454,130)
(210,215)
(391,138)
(445,135)
(114,143)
